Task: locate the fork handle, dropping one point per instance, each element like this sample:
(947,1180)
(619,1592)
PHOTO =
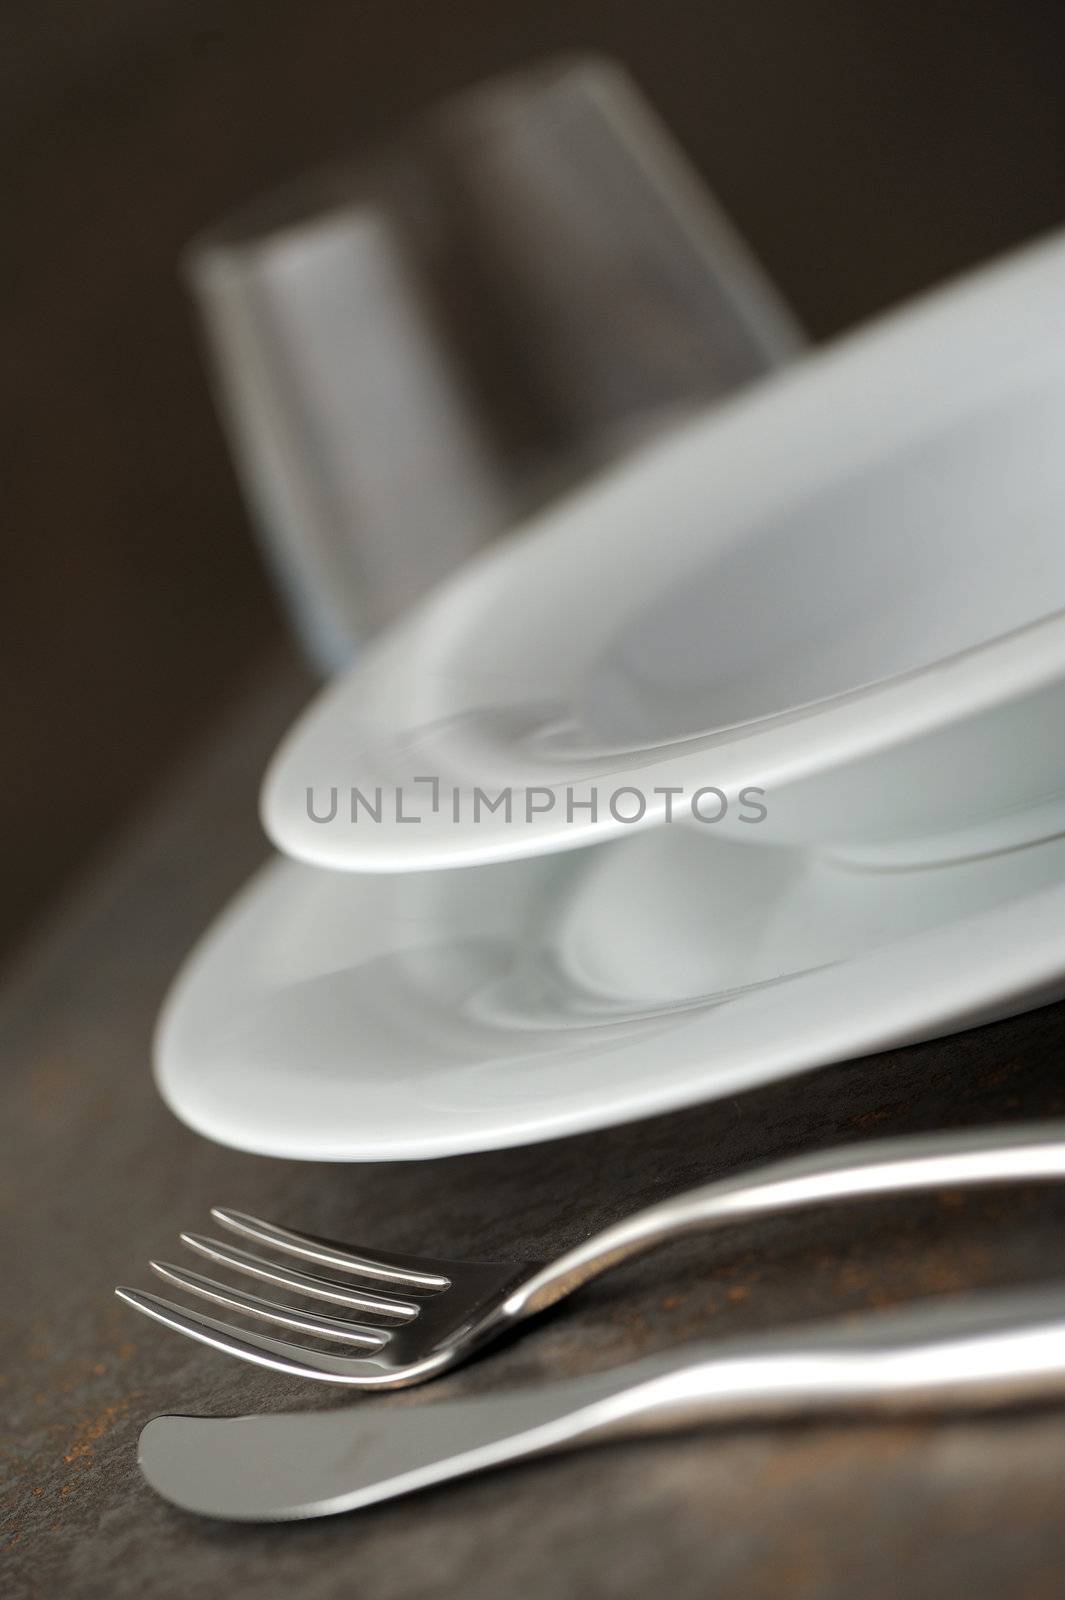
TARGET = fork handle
(968,1158)
(984,1352)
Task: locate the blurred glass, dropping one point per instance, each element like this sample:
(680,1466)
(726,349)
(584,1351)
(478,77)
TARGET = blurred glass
(413,351)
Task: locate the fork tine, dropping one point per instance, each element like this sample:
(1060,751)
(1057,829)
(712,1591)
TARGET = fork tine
(279,1354)
(398,1271)
(253,1305)
(338,1294)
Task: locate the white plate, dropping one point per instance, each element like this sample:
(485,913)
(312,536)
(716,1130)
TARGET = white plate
(329,1017)
(840,565)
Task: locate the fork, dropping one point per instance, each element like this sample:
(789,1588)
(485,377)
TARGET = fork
(983,1353)
(423,1315)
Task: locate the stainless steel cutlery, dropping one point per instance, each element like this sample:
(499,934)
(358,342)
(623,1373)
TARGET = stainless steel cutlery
(391,1320)
(984,1352)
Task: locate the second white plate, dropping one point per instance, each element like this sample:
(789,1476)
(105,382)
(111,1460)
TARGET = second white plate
(339,1018)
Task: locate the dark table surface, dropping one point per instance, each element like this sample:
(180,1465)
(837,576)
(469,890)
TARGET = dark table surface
(97,1177)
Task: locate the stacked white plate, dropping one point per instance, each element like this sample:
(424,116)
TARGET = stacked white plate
(746,759)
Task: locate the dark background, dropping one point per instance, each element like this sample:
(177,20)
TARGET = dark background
(866,148)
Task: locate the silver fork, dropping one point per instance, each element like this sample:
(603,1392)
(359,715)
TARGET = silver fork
(423,1315)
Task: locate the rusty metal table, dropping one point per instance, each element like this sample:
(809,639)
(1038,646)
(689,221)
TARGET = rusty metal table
(97,1176)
